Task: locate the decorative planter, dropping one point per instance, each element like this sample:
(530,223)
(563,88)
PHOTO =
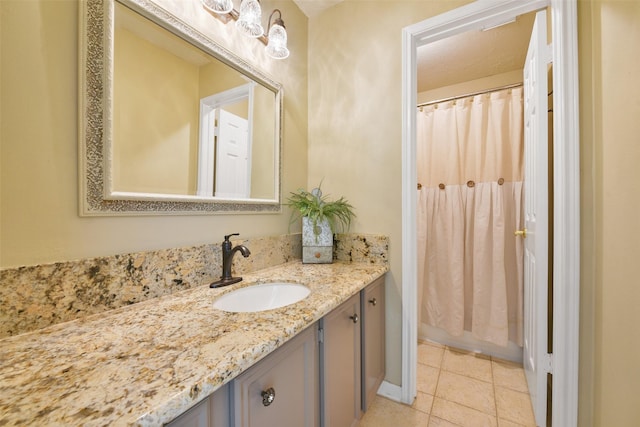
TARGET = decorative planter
(317,245)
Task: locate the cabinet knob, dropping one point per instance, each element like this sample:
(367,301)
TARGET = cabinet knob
(355,318)
(373,302)
(268,396)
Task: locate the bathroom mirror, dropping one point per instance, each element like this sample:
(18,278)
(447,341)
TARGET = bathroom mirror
(170,122)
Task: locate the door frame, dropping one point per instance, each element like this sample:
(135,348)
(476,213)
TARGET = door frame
(207,131)
(566,184)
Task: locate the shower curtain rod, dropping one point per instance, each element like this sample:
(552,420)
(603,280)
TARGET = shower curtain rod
(511,86)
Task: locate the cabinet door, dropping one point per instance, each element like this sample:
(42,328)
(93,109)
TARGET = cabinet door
(373,337)
(290,376)
(341,365)
(211,412)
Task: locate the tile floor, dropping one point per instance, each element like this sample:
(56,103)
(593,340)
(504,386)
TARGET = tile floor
(458,388)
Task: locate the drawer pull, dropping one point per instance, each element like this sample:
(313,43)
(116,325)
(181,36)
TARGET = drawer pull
(268,396)
(355,318)
(373,302)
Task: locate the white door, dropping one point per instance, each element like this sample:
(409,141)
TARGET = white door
(536,359)
(232,156)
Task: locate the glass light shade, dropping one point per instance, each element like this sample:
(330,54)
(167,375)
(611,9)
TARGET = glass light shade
(218,6)
(277,47)
(249,18)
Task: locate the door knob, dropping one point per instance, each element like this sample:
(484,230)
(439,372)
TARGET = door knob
(373,301)
(522,233)
(355,318)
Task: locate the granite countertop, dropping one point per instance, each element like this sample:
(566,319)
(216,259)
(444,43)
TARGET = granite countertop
(147,363)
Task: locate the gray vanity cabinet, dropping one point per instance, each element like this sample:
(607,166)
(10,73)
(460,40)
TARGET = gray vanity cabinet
(211,412)
(325,376)
(373,340)
(340,365)
(282,389)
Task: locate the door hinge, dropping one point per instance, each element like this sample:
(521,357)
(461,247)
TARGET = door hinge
(321,335)
(548,363)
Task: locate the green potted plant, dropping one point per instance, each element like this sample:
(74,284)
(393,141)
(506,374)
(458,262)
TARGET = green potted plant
(320,218)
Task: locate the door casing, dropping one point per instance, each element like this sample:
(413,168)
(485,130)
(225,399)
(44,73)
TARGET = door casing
(566,185)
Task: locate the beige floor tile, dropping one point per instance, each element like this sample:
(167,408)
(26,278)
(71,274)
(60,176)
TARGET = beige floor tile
(466,363)
(469,390)
(423,402)
(427,379)
(509,375)
(466,391)
(386,413)
(506,423)
(461,415)
(439,422)
(514,406)
(430,355)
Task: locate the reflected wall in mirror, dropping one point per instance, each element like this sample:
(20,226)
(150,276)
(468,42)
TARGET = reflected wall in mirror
(187,126)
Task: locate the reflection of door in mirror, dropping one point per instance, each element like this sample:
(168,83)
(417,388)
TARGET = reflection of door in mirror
(163,117)
(215,146)
(232,148)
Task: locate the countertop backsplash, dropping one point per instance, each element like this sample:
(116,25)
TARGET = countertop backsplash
(34,297)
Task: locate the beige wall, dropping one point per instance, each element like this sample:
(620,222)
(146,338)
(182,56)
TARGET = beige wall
(39,220)
(471,86)
(610,155)
(355,124)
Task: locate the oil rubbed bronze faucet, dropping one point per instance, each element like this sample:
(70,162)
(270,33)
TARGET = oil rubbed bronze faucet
(227,259)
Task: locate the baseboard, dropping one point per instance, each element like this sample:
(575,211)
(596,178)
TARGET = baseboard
(390,391)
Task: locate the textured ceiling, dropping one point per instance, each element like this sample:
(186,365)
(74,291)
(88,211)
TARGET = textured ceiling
(474,54)
(464,57)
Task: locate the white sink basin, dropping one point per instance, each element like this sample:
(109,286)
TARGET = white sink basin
(261,297)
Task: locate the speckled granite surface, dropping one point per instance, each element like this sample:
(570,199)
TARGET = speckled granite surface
(144,364)
(34,297)
(369,248)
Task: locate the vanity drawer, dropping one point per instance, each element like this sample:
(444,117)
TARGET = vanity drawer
(282,389)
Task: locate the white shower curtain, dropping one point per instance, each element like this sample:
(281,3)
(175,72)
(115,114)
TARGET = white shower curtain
(470,165)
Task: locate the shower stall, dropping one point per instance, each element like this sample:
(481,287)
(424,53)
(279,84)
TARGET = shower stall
(470,201)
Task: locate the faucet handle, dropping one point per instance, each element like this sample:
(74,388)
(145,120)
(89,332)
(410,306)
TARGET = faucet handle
(229,235)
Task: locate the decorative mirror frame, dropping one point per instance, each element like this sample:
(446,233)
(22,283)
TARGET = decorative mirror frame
(95,118)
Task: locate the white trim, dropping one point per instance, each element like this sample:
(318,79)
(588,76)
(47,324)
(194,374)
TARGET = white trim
(390,391)
(566,219)
(480,14)
(409,233)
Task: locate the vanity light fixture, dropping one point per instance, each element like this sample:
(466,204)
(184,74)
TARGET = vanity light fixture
(218,6)
(248,22)
(277,45)
(249,19)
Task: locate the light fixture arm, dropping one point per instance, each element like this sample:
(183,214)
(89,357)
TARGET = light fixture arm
(234,14)
(278,20)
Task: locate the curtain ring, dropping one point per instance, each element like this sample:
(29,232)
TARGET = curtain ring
(471,184)
(441,186)
(501,181)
